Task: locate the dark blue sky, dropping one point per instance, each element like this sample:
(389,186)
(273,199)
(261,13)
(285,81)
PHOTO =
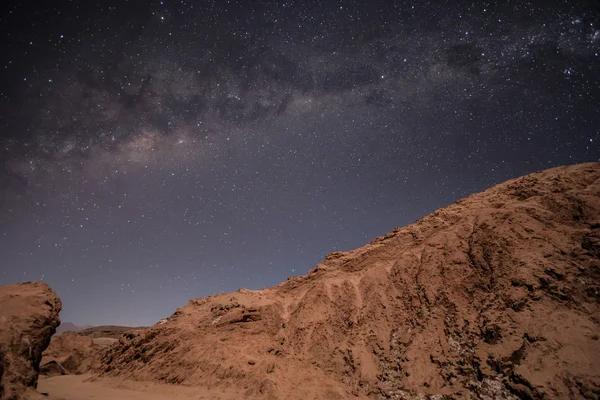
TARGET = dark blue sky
(155,152)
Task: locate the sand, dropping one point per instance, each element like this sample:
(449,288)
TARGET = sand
(86,387)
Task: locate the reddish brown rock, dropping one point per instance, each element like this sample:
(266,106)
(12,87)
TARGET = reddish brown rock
(28,319)
(495,296)
(68,353)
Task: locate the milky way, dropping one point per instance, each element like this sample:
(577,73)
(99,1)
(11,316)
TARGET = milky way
(154,152)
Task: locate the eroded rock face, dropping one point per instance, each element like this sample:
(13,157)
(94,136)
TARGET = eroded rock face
(495,297)
(28,319)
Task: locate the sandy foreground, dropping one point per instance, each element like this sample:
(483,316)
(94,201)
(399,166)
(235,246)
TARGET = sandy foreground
(87,387)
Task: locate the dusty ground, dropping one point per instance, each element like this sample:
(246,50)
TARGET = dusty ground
(85,387)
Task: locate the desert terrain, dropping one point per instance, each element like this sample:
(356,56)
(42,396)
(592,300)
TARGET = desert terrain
(88,387)
(493,297)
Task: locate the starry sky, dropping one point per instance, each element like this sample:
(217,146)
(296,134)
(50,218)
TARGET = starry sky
(152,152)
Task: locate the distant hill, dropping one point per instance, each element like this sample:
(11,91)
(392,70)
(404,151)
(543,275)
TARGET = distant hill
(70,327)
(108,331)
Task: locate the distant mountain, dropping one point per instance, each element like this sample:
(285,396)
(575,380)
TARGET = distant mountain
(70,327)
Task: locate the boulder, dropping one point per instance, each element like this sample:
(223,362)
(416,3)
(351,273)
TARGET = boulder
(28,319)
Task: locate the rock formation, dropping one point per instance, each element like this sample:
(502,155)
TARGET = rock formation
(28,319)
(494,296)
(74,352)
(68,353)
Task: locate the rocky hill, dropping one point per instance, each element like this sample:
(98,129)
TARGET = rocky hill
(495,296)
(28,319)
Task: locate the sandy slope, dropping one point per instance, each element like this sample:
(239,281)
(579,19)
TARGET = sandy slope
(495,296)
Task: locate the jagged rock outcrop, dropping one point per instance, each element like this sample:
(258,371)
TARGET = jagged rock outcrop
(68,353)
(28,319)
(495,296)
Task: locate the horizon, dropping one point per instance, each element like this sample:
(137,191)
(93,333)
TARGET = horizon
(149,324)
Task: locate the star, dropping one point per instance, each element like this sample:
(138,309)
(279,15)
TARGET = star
(191,148)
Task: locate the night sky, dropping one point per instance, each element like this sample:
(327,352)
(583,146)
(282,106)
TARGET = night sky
(152,152)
